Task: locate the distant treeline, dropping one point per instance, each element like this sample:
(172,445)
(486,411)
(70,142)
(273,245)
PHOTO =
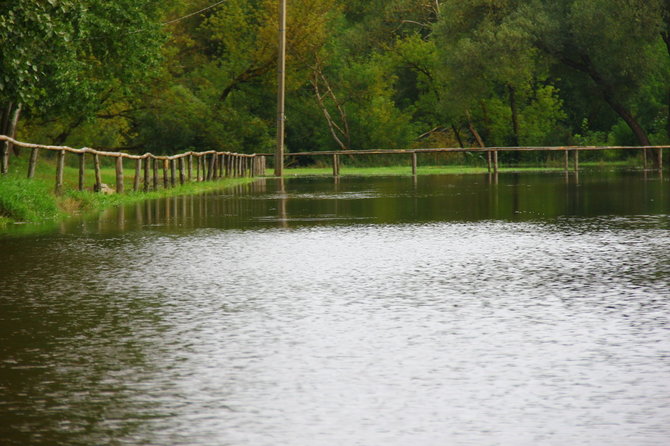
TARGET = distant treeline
(148,75)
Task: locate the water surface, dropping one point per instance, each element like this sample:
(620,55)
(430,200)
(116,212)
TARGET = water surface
(442,310)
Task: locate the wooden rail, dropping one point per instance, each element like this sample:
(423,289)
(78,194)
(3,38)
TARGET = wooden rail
(211,165)
(492,161)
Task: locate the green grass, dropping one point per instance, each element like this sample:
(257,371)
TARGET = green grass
(25,200)
(406,170)
(34,201)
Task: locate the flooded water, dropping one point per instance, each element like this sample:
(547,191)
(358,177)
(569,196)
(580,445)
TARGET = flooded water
(531,309)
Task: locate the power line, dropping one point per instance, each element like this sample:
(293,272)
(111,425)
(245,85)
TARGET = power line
(170,22)
(194,13)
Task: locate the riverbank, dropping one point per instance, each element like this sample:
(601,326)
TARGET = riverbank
(444,170)
(34,201)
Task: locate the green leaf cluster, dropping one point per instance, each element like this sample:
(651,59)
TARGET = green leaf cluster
(146,75)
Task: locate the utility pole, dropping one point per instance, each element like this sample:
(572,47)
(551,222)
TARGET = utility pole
(281,76)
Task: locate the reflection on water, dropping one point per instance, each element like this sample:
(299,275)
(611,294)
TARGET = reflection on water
(313,201)
(447,311)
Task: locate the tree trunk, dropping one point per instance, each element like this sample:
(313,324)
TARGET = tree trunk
(340,132)
(6,113)
(474,131)
(4,147)
(585,65)
(12,128)
(62,137)
(458,135)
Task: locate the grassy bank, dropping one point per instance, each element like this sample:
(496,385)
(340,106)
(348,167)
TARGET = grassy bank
(406,170)
(34,201)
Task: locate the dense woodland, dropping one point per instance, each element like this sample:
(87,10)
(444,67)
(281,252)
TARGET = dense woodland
(148,75)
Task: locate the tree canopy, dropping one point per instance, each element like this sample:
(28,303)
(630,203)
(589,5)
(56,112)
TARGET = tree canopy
(150,75)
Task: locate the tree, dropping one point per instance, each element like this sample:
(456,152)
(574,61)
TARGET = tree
(223,63)
(619,55)
(495,82)
(68,57)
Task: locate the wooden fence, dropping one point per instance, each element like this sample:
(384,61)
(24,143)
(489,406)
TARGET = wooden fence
(491,152)
(213,165)
(189,166)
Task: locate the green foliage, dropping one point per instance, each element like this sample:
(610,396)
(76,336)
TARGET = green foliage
(621,57)
(64,55)
(376,121)
(541,118)
(178,119)
(360,74)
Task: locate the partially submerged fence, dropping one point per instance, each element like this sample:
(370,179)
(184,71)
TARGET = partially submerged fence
(491,152)
(189,166)
(213,165)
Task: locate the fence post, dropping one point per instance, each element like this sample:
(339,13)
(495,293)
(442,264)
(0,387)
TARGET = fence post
(211,172)
(59,172)
(576,160)
(154,164)
(181,170)
(190,166)
(82,167)
(212,168)
(414,163)
(336,165)
(173,173)
(220,161)
(166,180)
(206,168)
(495,161)
(98,176)
(138,173)
(566,163)
(33,163)
(119,175)
(147,160)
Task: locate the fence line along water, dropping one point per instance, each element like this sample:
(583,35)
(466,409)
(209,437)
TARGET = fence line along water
(213,165)
(189,166)
(492,154)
